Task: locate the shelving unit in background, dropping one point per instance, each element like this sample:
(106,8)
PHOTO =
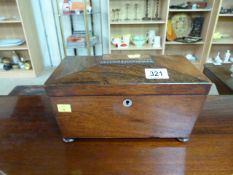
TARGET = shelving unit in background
(198,49)
(90,24)
(20,25)
(138,27)
(224,25)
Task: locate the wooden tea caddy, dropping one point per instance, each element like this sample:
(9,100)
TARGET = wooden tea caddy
(110,97)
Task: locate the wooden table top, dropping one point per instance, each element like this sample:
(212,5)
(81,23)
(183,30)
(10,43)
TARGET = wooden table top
(221,76)
(30,143)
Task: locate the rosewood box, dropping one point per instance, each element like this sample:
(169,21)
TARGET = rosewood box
(114,97)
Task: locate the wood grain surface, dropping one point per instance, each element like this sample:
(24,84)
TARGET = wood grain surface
(149,116)
(30,143)
(86,76)
(221,76)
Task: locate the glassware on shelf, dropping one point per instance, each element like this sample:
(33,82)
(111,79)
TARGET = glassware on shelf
(146,18)
(139,40)
(114,14)
(118,14)
(127,11)
(136,12)
(156,18)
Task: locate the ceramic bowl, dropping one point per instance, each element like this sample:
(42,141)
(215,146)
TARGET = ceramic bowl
(139,41)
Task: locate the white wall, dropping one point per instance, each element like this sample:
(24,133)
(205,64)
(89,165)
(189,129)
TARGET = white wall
(51,34)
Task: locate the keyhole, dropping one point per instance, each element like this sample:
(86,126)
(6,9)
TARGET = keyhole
(127,103)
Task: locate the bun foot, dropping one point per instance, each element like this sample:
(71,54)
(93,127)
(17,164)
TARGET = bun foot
(184,139)
(68,140)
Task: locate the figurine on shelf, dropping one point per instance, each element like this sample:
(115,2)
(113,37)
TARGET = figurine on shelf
(151,35)
(209,60)
(197,5)
(191,57)
(21,63)
(194,6)
(231,69)
(218,60)
(14,58)
(227,57)
(27,65)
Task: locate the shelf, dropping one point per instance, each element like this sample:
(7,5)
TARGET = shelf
(167,9)
(132,47)
(21,47)
(138,22)
(17,22)
(223,41)
(180,43)
(190,10)
(226,15)
(17,73)
(10,21)
(81,14)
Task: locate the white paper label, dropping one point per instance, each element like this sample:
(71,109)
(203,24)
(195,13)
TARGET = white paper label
(64,108)
(153,74)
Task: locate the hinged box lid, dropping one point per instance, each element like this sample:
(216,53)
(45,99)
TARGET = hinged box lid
(126,75)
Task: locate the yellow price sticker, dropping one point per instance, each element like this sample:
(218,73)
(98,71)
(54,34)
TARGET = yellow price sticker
(64,108)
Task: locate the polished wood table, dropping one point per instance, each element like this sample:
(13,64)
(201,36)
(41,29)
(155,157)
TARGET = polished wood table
(30,143)
(221,76)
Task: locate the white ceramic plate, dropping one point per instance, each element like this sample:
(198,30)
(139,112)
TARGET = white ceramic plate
(182,24)
(11,42)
